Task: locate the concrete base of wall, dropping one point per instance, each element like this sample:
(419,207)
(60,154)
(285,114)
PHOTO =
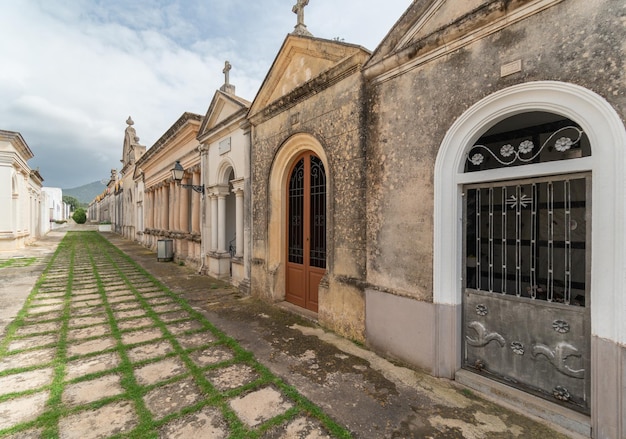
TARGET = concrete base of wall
(400,328)
(608,389)
(219,265)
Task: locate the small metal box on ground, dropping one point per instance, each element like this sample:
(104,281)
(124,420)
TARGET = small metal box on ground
(165,250)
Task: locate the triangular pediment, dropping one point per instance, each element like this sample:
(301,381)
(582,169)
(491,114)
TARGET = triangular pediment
(434,25)
(299,60)
(223,106)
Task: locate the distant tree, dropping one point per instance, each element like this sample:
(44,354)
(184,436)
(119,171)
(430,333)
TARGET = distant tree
(72,202)
(80,216)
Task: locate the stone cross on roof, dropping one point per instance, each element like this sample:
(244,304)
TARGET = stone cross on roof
(227,67)
(227,87)
(300,27)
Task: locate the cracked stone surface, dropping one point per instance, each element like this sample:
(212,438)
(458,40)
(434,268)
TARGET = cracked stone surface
(98,363)
(90,346)
(172,398)
(212,355)
(149,351)
(19,382)
(140,336)
(206,423)
(195,340)
(85,392)
(119,417)
(28,358)
(300,428)
(259,406)
(160,371)
(231,377)
(22,409)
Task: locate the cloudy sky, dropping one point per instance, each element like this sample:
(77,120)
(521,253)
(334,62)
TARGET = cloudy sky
(74,70)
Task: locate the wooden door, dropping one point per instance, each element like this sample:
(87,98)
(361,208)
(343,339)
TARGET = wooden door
(306,231)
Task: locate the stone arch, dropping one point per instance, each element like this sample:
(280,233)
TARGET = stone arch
(607,137)
(223,171)
(284,158)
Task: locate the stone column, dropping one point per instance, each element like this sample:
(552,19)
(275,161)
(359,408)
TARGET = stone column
(214,221)
(221,220)
(176,207)
(184,208)
(171,206)
(195,205)
(238,190)
(166,208)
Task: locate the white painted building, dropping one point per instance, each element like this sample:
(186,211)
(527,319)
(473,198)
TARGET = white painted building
(20,193)
(225,150)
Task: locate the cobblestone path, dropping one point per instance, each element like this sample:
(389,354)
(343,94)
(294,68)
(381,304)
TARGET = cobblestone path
(102,349)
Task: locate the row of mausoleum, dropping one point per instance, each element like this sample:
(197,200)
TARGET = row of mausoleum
(29,209)
(455,199)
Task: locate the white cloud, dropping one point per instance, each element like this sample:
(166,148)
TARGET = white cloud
(74,71)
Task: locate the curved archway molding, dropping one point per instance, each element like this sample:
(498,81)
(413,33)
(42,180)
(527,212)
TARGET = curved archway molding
(607,137)
(223,171)
(606,133)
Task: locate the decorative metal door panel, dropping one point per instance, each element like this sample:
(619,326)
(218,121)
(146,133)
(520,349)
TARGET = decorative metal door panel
(526,308)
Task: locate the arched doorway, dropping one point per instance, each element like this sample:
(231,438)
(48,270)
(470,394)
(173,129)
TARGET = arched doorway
(306,231)
(606,284)
(527,252)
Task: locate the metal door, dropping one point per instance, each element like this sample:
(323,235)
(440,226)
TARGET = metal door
(526,303)
(306,240)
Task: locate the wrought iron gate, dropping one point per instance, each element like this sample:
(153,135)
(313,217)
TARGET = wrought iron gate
(526,301)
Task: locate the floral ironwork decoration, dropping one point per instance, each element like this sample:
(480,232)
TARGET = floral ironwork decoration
(560,326)
(509,155)
(563,144)
(561,393)
(517,348)
(481,309)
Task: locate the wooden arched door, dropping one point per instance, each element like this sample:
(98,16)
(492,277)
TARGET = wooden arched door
(306,231)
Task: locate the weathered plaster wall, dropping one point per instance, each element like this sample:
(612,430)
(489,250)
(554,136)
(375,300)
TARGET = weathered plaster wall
(576,41)
(333,118)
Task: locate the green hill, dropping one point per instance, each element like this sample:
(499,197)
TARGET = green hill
(86,193)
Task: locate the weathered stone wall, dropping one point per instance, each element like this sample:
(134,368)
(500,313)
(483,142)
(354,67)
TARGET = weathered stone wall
(577,41)
(333,117)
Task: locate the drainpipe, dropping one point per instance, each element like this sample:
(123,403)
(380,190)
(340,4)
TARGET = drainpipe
(202,149)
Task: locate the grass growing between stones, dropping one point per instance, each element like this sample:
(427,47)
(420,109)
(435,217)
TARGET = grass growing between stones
(103,302)
(16,262)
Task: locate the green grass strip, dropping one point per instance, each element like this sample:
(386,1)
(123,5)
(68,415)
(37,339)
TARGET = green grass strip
(88,259)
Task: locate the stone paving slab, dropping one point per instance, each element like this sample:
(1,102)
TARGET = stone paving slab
(181,327)
(141,336)
(205,423)
(85,392)
(90,346)
(172,398)
(231,377)
(260,405)
(115,418)
(85,366)
(33,342)
(27,359)
(160,371)
(195,340)
(211,355)
(150,351)
(22,409)
(37,328)
(20,382)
